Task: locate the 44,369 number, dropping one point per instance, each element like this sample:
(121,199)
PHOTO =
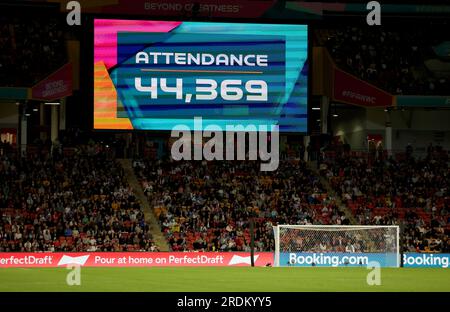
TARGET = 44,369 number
(206,89)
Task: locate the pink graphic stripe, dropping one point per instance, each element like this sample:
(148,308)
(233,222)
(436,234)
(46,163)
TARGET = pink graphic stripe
(105,35)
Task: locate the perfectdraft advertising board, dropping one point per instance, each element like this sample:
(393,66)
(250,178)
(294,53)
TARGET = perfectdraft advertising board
(132,259)
(156,75)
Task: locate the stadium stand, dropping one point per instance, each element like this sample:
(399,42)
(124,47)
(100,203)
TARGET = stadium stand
(73,199)
(388,57)
(413,193)
(207,205)
(76,199)
(31,49)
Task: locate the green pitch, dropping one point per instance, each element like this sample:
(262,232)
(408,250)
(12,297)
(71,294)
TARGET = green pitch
(225,279)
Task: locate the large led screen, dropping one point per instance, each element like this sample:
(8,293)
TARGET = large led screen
(155,75)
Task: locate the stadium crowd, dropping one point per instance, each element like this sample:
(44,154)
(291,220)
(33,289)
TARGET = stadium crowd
(389,58)
(207,205)
(414,193)
(74,202)
(31,49)
(80,200)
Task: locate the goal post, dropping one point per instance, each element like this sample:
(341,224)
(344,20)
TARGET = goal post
(337,245)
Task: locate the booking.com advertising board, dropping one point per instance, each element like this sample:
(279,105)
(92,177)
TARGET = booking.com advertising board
(217,259)
(156,75)
(337,259)
(410,260)
(423,260)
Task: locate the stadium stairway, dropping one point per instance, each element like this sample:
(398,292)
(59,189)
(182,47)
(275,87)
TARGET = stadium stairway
(150,218)
(312,165)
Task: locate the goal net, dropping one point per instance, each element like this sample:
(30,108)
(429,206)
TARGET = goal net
(336,245)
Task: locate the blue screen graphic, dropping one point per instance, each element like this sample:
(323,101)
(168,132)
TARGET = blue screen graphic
(226,73)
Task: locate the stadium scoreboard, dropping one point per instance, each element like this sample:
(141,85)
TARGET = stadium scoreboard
(156,75)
